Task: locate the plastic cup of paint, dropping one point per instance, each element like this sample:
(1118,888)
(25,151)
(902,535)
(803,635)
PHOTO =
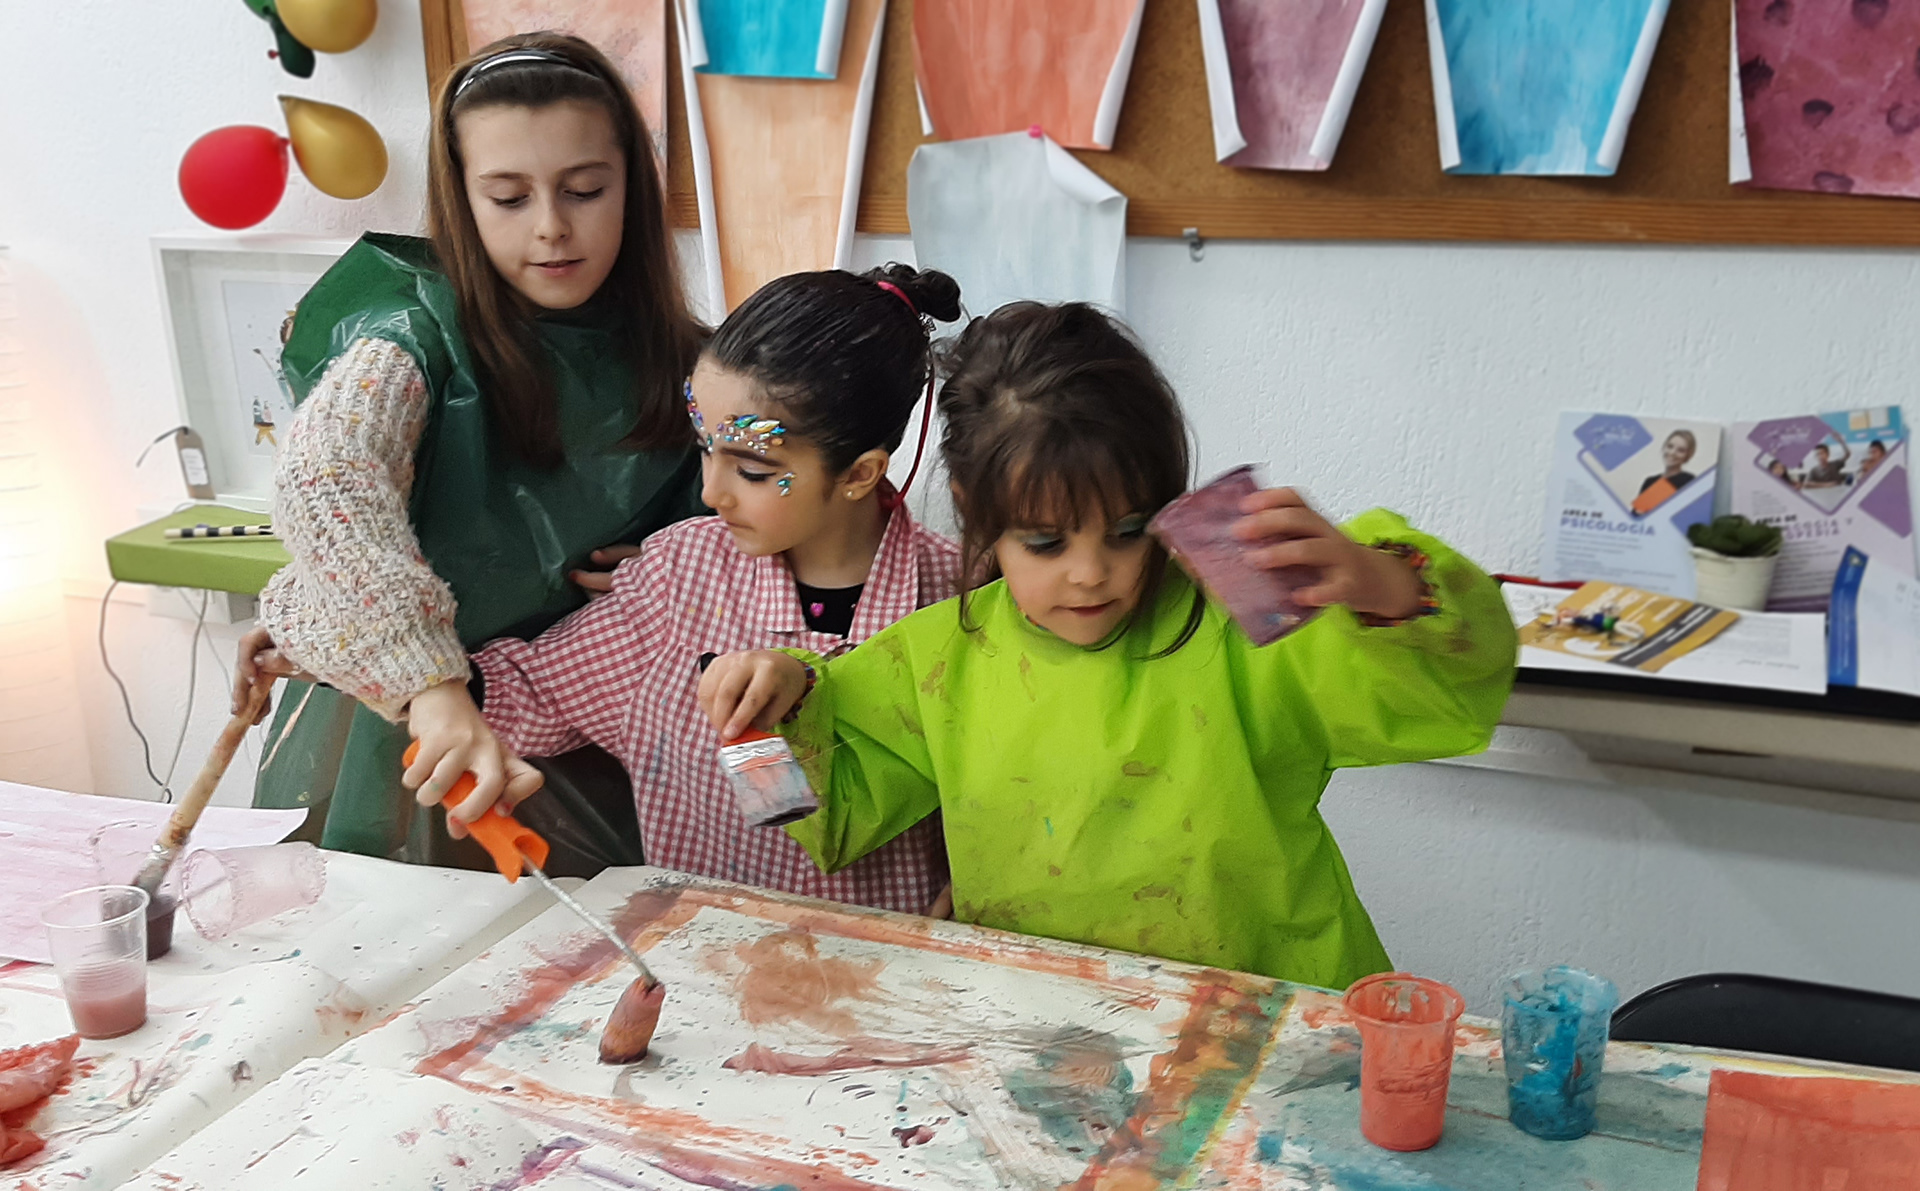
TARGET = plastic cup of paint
(98,937)
(119,851)
(229,889)
(1554,1037)
(1406,1057)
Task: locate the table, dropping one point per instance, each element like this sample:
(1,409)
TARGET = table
(811,1045)
(227,1018)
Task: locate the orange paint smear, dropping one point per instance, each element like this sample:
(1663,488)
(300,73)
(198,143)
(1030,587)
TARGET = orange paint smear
(1782,1133)
(860,1054)
(1001,948)
(785,980)
(680,1143)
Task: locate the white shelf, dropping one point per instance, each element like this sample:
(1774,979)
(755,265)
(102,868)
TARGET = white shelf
(1815,750)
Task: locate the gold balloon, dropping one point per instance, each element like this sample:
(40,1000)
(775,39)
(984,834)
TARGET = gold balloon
(330,26)
(338,151)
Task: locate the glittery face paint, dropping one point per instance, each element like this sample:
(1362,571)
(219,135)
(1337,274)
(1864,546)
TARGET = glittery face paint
(755,433)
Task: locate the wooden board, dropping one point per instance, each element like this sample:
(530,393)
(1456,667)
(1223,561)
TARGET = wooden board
(1386,183)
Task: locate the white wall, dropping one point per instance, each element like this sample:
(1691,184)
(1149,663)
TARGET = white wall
(1419,376)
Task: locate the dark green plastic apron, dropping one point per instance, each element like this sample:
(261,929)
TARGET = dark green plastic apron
(501,532)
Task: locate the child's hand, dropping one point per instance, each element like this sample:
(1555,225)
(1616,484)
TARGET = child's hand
(455,739)
(599,583)
(260,663)
(754,689)
(1367,581)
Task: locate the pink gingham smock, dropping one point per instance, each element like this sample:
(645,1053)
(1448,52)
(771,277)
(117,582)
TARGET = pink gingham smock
(622,673)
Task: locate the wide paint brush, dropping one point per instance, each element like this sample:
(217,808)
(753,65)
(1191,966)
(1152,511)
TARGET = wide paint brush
(515,849)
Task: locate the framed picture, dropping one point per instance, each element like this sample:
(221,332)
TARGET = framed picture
(227,301)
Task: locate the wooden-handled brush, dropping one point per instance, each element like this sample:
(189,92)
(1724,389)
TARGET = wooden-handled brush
(186,814)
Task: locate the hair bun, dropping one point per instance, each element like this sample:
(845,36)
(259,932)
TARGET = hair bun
(932,292)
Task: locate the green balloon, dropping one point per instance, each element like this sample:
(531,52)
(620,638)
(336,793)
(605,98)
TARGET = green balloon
(296,58)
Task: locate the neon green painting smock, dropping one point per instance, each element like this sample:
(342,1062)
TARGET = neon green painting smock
(1167,806)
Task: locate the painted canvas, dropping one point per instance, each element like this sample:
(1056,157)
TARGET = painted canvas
(1281,75)
(1017,217)
(780,39)
(986,67)
(1830,94)
(811,1045)
(632,33)
(777,164)
(1785,1133)
(1829,481)
(1538,88)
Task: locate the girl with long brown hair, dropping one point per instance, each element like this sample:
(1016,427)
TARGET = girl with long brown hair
(480,412)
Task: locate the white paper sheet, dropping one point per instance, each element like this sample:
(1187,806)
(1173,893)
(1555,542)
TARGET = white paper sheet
(856,143)
(702,163)
(226,1018)
(1227,137)
(1107,118)
(1776,651)
(1739,162)
(44,851)
(1017,217)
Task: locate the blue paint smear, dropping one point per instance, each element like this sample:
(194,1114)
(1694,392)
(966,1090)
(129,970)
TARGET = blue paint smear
(1648,1137)
(1535,82)
(763,38)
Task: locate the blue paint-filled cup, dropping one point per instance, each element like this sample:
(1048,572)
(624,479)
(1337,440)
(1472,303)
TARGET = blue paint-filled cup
(1555,1042)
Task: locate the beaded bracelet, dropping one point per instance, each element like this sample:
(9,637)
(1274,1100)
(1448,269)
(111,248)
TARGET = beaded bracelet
(1429,601)
(813,679)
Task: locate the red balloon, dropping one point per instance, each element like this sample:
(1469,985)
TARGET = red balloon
(233,177)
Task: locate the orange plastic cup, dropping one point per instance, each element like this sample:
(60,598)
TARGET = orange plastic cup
(1406,1057)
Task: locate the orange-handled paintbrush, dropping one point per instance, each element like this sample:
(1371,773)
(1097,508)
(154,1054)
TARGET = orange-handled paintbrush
(517,848)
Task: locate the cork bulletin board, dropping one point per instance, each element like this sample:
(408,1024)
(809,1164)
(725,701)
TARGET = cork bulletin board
(1386,183)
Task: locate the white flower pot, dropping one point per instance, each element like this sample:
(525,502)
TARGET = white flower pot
(1727,582)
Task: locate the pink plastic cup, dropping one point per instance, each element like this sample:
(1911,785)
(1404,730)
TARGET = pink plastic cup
(1406,1057)
(229,889)
(98,937)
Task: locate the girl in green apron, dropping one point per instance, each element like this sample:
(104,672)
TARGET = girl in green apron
(479,413)
(1115,761)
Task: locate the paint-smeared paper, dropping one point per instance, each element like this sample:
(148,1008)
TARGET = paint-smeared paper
(1281,75)
(633,33)
(780,39)
(1830,95)
(991,66)
(1623,493)
(44,836)
(777,164)
(1538,88)
(1017,217)
(226,1018)
(1793,1133)
(1829,481)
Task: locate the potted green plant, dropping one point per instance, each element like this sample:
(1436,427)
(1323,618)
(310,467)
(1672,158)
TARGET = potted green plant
(1733,561)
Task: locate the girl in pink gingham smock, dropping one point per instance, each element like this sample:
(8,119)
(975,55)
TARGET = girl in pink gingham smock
(798,401)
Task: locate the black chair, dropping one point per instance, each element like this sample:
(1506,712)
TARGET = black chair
(1769,1015)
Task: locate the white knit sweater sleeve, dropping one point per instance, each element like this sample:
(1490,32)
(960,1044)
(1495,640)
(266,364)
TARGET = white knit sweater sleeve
(357,605)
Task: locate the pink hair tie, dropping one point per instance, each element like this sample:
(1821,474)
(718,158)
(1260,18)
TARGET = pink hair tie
(899,293)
